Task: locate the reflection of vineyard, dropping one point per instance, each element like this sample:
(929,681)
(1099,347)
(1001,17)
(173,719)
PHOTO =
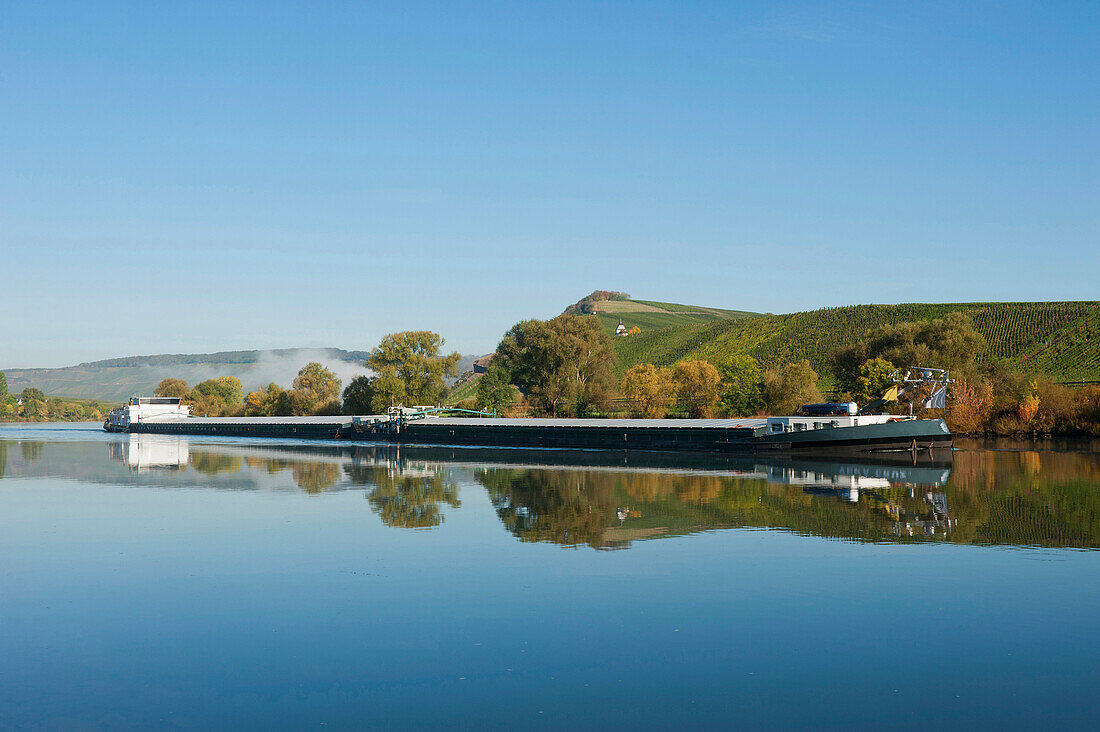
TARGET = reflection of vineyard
(406,500)
(1033,499)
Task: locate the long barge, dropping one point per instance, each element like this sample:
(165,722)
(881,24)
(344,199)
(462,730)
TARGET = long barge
(829,434)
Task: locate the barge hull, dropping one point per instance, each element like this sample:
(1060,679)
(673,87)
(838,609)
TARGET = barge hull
(571,434)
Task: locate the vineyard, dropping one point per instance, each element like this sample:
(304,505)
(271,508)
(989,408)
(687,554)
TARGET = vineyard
(1061,339)
(649,316)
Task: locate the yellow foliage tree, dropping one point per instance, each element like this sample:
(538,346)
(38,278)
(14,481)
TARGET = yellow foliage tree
(652,388)
(699,385)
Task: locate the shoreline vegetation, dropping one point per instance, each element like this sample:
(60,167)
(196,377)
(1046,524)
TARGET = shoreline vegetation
(567,365)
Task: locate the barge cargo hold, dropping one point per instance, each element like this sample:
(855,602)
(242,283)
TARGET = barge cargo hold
(816,435)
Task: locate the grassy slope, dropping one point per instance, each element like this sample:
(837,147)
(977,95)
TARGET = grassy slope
(1059,338)
(653,316)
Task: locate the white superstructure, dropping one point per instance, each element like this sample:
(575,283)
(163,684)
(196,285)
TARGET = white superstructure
(147,409)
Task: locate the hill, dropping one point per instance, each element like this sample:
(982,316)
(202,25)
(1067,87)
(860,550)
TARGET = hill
(648,315)
(117,379)
(1061,339)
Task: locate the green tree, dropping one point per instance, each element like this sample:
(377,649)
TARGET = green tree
(563,364)
(742,386)
(652,388)
(873,381)
(389,390)
(698,386)
(314,388)
(413,356)
(359,396)
(215,397)
(171,388)
(788,388)
(948,342)
(30,394)
(494,390)
(3,384)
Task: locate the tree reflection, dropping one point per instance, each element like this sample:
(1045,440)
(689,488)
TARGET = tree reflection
(212,463)
(408,499)
(566,507)
(314,477)
(31,450)
(1031,498)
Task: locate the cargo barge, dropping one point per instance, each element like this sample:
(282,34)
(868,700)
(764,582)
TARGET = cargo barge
(820,434)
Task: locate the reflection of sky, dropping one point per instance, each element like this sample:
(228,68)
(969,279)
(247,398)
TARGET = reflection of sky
(209,608)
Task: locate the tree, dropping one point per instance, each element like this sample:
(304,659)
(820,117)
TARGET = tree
(698,385)
(786,389)
(171,388)
(274,401)
(949,342)
(494,390)
(216,396)
(30,394)
(389,391)
(874,380)
(314,387)
(413,357)
(651,387)
(742,386)
(3,384)
(563,364)
(359,396)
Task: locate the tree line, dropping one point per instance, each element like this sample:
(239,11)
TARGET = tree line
(408,369)
(564,367)
(32,405)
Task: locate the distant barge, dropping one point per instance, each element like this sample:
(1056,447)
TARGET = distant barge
(828,434)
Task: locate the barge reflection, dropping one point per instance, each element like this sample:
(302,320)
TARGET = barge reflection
(608,500)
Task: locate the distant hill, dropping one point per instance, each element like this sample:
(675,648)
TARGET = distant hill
(648,315)
(117,379)
(1061,339)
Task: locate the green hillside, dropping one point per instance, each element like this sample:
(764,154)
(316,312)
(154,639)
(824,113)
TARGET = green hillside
(649,315)
(1061,339)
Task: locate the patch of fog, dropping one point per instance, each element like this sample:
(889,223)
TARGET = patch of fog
(282,368)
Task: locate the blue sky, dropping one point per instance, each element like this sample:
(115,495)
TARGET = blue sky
(179,178)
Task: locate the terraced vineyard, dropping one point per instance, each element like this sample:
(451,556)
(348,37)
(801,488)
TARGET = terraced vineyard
(1057,338)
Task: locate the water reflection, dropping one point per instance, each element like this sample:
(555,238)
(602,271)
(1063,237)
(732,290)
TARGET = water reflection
(1045,497)
(406,495)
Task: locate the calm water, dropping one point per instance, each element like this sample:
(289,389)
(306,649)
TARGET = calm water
(202,584)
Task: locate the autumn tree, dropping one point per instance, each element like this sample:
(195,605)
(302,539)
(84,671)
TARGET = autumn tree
(172,388)
(742,386)
(562,364)
(698,386)
(789,387)
(274,401)
(651,387)
(413,357)
(315,388)
(494,390)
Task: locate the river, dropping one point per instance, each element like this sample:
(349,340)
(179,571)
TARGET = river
(186,583)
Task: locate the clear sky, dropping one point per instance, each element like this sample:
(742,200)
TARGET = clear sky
(181,177)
